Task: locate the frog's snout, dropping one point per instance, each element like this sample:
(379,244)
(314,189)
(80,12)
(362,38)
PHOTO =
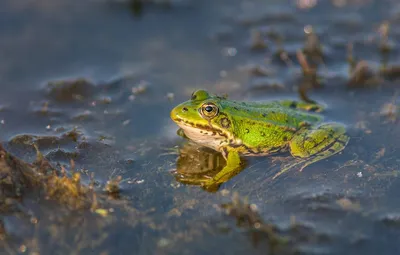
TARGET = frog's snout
(185,113)
(177,112)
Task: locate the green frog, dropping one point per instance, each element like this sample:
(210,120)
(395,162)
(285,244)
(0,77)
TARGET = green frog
(238,129)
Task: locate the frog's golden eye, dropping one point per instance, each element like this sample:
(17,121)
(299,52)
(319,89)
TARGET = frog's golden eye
(209,110)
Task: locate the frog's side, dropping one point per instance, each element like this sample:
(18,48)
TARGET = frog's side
(255,129)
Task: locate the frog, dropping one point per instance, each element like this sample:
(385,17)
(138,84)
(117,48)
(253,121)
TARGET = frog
(240,129)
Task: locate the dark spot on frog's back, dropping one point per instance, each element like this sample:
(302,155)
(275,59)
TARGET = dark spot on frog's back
(184,109)
(262,133)
(246,130)
(225,123)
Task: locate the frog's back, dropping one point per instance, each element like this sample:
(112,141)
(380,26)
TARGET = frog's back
(270,113)
(265,128)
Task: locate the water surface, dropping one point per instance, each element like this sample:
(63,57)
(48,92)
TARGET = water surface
(137,67)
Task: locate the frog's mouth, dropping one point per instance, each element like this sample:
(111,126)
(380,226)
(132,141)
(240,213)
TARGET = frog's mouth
(204,129)
(205,135)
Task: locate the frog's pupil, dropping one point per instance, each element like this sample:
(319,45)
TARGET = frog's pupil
(209,108)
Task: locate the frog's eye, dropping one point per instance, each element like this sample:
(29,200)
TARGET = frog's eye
(209,110)
(200,95)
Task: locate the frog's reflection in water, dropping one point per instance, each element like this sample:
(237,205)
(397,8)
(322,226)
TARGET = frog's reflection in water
(197,165)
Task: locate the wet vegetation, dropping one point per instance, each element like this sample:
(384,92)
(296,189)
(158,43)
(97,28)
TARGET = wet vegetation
(91,162)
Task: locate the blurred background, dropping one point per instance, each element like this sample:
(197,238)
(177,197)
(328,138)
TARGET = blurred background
(86,91)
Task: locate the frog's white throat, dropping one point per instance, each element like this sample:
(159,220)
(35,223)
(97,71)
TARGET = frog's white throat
(203,137)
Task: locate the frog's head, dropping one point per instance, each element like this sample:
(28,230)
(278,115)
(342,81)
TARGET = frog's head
(203,120)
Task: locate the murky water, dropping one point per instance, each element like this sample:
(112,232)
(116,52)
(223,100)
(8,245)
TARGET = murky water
(135,68)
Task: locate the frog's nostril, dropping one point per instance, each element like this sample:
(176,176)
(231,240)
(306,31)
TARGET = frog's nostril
(184,109)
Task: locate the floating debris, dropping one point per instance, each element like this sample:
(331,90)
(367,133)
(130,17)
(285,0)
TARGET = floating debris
(163,242)
(247,217)
(381,153)
(364,126)
(310,77)
(383,30)
(350,58)
(390,72)
(65,91)
(312,44)
(364,75)
(170,96)
(102,212)
(229,52)
(113,186)
(391,219)
(131,98)
(126,122)
(45,108)
(256,40)
(86,115)
(390,110)
(348,205)
(106,100)
(140,88)
(305,67)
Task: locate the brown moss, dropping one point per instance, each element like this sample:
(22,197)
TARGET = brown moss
(364,75)
(247,217)
(19,177)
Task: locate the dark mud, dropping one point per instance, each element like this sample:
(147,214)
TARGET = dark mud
(90,161)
